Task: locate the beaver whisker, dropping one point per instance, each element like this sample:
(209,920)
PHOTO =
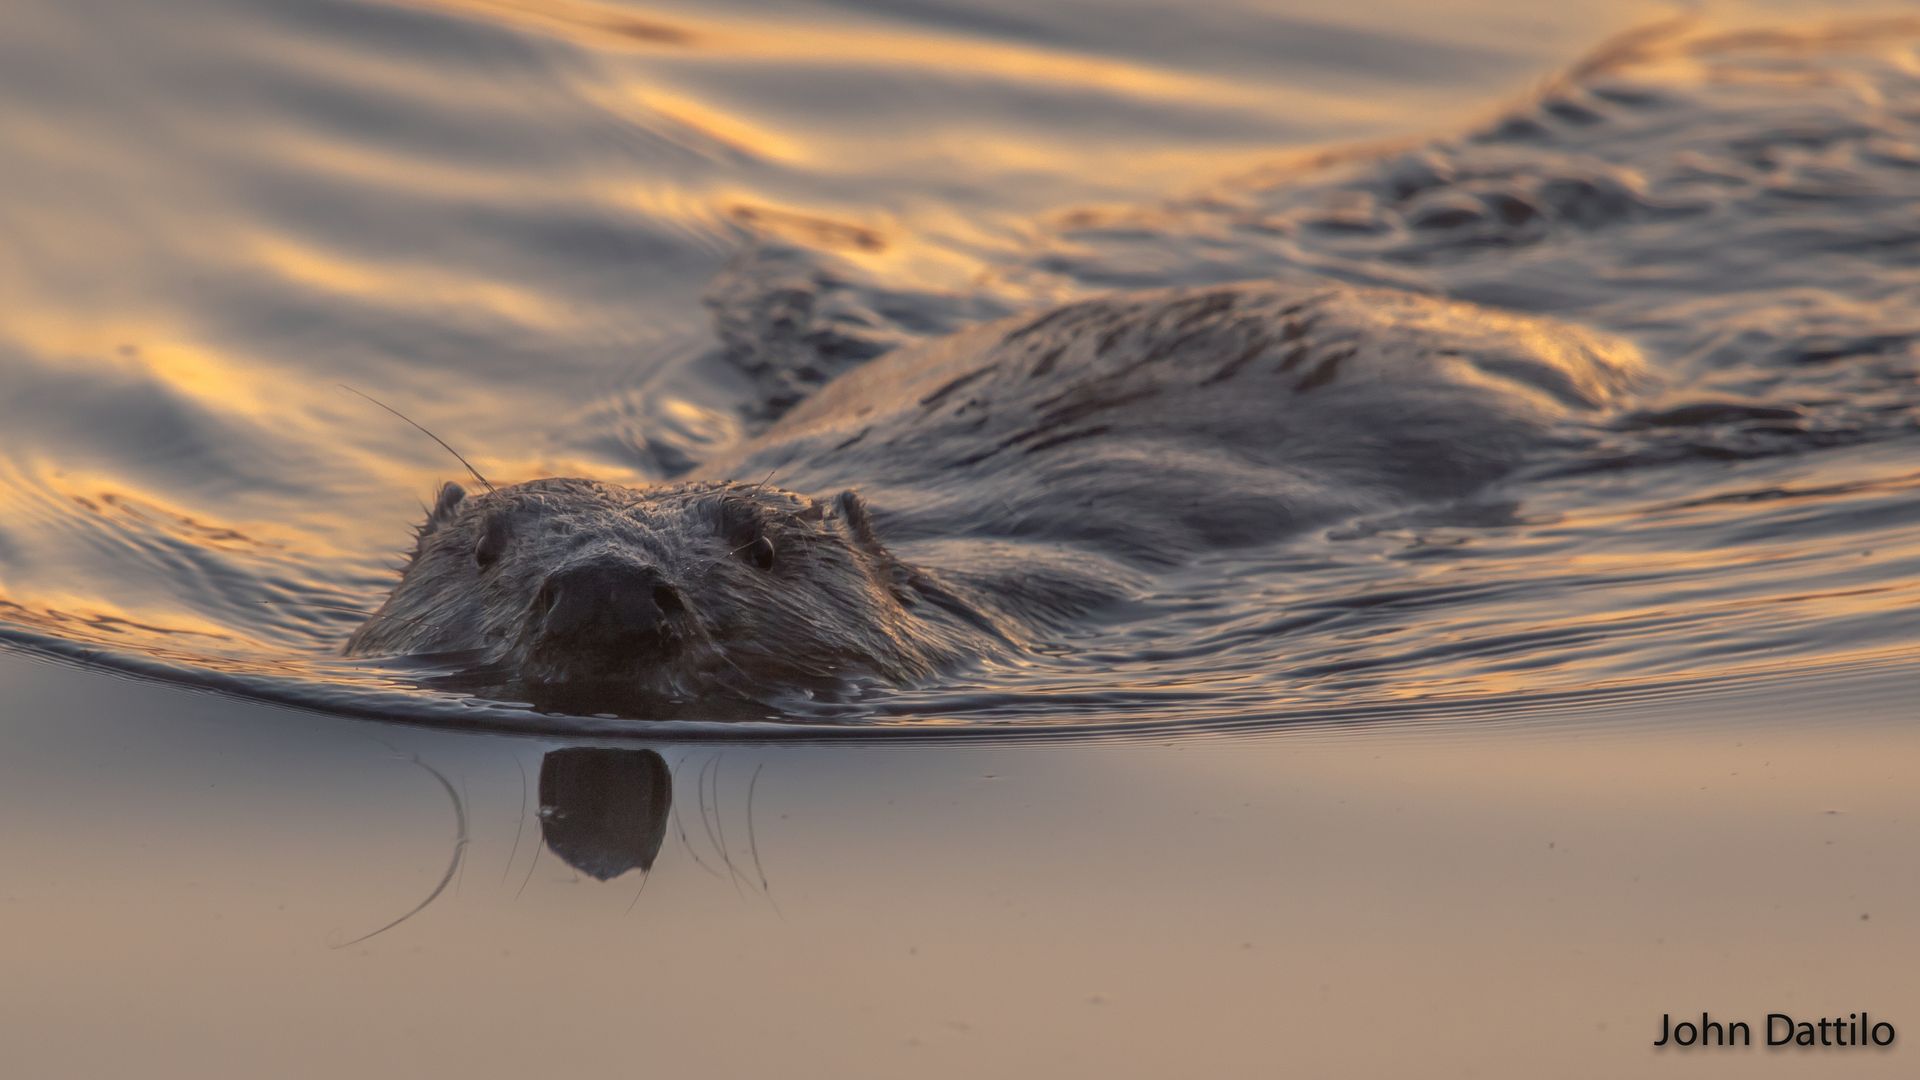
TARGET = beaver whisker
(680,827)
(720,827)
(720,655)
(323,605)
(460,879)
(416,619)
(645,876)
(753,842)
(531,863)
(453,867)
(317,606)
(710,565)
(488,484)
(519,827)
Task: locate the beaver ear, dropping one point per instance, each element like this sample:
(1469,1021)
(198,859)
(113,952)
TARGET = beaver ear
(494,536)
(445,504)
(853,510)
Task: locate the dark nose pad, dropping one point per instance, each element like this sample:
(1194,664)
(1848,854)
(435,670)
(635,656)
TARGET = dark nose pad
(610,603)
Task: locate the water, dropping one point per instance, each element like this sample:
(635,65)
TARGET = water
(1479,790)
(187,876)
(503,219)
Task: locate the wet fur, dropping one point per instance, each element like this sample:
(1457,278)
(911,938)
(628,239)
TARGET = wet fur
(1020,473)
(833,606)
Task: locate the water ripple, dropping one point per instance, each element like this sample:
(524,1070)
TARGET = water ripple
(608,238)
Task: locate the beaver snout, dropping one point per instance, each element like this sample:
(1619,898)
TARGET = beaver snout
(609,608)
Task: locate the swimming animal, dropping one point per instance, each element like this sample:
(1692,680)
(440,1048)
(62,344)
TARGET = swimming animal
(966,496)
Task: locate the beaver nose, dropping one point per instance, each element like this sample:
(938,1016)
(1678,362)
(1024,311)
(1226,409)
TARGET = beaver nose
(609,603)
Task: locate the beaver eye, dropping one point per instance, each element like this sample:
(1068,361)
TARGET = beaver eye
(759,553)
(492,543)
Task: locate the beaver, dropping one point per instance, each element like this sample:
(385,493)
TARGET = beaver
(1009,478)
(675,592)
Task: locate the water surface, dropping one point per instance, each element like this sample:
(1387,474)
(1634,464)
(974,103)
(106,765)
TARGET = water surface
(601,239)
(1480,790)
(192,894)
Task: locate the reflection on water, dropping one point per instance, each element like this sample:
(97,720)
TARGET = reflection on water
(187,864)
(607,238)
(605,811)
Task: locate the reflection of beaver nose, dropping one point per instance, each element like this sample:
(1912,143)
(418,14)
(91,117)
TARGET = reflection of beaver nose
(610,602)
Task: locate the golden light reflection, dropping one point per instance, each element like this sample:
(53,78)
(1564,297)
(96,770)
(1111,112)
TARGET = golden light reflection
(727,129)
(380,167)
(151,349)
(937,204)
(391,284)
(811,43)
(144,511)
(224,382)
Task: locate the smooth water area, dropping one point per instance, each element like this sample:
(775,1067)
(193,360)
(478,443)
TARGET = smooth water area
(599,239)
(190,881)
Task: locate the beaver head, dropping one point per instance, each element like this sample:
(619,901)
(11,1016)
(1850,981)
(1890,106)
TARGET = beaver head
(681,592)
